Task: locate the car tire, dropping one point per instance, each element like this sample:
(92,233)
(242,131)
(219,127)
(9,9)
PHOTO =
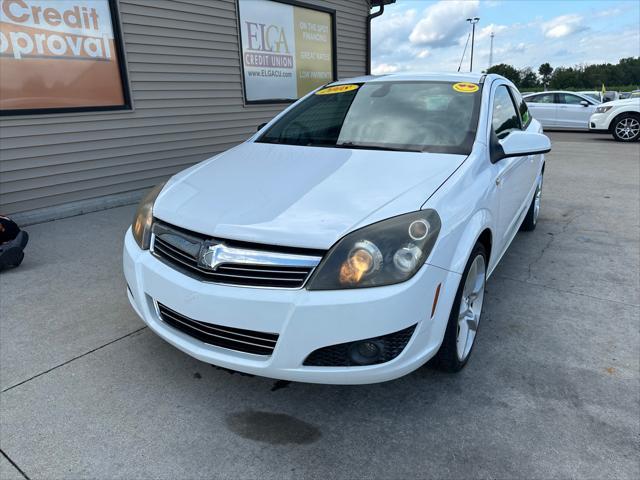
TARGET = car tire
(465,314)
(626,128)
(531,219)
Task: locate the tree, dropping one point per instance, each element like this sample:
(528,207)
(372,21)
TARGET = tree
(567,77)
(626,73)
(528,78)
(545,72)
(506,71)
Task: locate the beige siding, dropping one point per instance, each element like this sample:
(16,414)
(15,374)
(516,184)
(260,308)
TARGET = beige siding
(184,68)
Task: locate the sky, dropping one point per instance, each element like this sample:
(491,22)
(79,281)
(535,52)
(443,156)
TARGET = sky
(424,35)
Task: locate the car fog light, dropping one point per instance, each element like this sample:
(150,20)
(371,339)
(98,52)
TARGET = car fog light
(366,352)
(406,259)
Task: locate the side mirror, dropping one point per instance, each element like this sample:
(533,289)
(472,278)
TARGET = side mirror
(521,144)
(261,126)
(584,103)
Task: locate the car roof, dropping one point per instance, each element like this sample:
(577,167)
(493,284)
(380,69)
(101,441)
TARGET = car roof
(415,77)
(557,91)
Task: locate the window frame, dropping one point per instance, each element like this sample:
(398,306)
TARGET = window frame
(513,91)
(334,51)
(537,95)
(582,99)
(513,104)
(127,104)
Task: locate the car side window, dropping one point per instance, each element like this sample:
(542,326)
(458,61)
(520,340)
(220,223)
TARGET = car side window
(525,116)
(568,99)
(505,116)
(542,98)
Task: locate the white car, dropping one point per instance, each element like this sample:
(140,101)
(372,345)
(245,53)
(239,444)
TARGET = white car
(596,95)
(608,96)
(350,239)
(621,118)
(565,110)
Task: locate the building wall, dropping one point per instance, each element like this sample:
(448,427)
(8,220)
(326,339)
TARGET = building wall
(186,83)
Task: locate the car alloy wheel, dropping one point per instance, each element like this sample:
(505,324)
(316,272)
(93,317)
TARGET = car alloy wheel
(531,218)
(536,200)
(470,307)
(628,128)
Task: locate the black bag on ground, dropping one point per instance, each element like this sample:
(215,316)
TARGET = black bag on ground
(12,243)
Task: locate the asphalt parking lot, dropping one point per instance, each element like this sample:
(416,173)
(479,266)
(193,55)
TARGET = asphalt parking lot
(551,391)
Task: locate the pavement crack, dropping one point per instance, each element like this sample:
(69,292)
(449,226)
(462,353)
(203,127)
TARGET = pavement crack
(74,359)
(15,465)
(569,292)
(548,245)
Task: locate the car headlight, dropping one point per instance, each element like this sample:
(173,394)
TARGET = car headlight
(143,219)
(603,109)
(387,252)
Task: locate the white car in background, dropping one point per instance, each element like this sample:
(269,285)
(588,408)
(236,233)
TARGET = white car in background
(560,109)
(350,239)
(621,118)
(607,96)
(593,94)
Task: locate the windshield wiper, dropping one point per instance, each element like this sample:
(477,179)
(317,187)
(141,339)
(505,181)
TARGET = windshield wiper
(363,146)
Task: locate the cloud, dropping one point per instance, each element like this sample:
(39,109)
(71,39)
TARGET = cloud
(396,22)
(443,23)
(384,69)
(392,30)
(412,38)
(485,32)
(563,26)
(612,12)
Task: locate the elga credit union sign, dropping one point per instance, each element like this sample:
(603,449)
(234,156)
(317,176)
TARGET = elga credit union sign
(58,54)
(287,50)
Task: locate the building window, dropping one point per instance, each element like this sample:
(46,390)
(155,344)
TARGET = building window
(60,56)
(288,49)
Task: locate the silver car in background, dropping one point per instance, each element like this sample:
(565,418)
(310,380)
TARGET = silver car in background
(559,109)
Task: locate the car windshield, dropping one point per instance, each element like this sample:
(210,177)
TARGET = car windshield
(437,117)
(595,96)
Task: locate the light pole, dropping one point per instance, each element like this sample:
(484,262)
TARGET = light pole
(491,51)
(473,22)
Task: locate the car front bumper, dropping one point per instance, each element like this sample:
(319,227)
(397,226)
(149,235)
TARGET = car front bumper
(304,320)
(599,122)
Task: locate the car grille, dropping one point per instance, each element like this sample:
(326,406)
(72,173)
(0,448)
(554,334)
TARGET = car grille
(247,341)
(339,356)
(287,268)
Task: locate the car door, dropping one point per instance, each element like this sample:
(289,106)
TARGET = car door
(543,108)
(513,174)
(572,111)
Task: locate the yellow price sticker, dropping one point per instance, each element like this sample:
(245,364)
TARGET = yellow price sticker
(337,89)
(465,87)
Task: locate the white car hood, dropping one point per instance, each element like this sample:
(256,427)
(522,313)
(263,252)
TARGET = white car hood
(624,101)
(299,196)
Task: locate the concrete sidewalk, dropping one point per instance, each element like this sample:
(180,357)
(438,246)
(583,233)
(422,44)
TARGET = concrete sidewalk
(551,390)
